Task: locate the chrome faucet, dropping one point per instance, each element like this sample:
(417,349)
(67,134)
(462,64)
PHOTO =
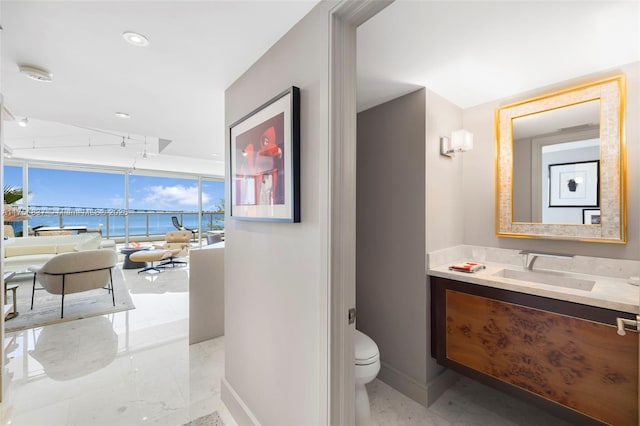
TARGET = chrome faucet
(530,257)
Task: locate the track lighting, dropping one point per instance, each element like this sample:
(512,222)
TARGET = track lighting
(144,153)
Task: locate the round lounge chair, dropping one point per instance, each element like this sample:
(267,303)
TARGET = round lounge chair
(75,272)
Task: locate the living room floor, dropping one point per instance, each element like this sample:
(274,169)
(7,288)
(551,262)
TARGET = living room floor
(137,368)
(128,368)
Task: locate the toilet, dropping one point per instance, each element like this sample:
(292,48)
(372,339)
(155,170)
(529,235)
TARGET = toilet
(367,359)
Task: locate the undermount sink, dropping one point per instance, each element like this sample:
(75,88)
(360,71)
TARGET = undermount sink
(558,279)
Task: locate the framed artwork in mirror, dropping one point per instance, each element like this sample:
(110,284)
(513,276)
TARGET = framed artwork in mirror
(264,166)
(591,216)
(574,184)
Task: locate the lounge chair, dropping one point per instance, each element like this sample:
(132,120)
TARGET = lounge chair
(179,227)
(75,272)
(178,242)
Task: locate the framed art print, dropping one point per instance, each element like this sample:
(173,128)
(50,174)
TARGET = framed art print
(591,216)
(574,184)
(265,161)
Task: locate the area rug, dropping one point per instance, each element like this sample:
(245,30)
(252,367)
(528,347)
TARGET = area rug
(212,419)
(46,306)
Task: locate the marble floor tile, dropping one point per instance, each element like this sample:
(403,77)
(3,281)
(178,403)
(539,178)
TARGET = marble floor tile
(137,368)
(128,368)
(467,402)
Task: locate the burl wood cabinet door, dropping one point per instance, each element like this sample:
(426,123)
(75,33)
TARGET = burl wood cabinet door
(581,364)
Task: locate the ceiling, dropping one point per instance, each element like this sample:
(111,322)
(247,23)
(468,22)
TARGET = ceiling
(468,52)
(173,89)
(473,52)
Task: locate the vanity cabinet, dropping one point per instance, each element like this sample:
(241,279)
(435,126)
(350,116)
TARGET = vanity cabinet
(563,356)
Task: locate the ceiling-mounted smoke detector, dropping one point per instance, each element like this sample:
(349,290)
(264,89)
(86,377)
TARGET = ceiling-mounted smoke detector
(36,73)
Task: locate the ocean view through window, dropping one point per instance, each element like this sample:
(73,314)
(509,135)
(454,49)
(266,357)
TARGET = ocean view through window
(96,200)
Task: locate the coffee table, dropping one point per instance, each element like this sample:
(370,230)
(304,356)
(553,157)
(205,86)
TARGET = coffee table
(128,263)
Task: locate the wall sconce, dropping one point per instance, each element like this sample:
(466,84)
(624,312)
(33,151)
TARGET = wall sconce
(461,141)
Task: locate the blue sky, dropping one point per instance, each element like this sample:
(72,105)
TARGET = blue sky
(66,188)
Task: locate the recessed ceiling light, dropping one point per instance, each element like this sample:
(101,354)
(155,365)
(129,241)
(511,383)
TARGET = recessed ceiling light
(135,39)
(23,122)
(122,115)
(35,73)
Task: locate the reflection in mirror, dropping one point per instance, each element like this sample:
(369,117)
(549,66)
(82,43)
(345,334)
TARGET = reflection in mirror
(560,136)
(561,165)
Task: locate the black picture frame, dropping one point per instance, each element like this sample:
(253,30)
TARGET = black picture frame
(574,184)
(264,167)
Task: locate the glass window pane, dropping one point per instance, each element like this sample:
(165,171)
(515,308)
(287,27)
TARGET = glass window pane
(60,197)
(153,201)
(212,205)
(13,180)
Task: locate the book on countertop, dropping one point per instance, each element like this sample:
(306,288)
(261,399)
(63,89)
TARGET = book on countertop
(469,267)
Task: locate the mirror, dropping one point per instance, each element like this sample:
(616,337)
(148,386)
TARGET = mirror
(553,151)
(561,163)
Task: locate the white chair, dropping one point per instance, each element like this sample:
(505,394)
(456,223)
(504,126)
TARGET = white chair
(75,272)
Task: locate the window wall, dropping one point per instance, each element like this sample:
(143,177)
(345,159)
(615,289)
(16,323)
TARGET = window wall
(13,180)
(115,203)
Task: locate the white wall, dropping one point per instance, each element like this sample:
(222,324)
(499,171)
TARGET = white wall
(478,200)
(445,217)
(276,277)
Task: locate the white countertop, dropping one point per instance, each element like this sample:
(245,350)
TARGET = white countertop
(608,292)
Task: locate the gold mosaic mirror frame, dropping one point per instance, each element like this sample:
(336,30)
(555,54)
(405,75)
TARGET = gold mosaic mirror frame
(612,229)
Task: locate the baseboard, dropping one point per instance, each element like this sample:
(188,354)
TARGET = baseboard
(442,382)
(403,383)
(424,394)
(236,406)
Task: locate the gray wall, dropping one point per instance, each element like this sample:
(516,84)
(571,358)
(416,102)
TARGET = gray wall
(390,262)
(478,202)
(404,206)
(276,274)
(522,176)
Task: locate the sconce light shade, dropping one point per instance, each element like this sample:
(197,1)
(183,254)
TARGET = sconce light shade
(461,141)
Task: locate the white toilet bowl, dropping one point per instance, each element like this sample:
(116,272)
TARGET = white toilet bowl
(367,359)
